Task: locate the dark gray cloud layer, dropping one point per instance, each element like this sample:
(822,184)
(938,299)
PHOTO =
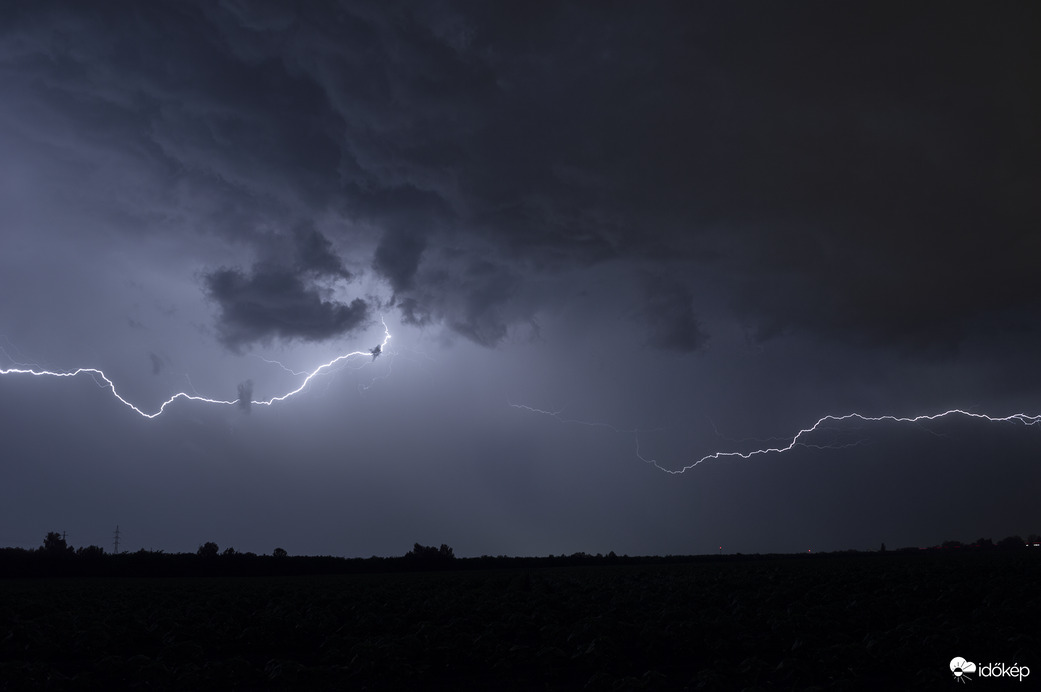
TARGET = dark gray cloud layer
(271,302)
(847,183)
(316,255)
(397,258)
(671,321)
(283,296)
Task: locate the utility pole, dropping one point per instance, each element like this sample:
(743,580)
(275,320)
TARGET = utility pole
(115,548)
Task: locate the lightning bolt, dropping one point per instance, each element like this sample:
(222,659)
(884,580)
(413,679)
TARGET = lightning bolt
(797,440)
(275,362)
(106,383)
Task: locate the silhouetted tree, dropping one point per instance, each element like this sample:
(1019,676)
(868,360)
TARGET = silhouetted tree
(882,549)
(90,552)
(230,552)
(984,543)
(279,552)
(1011,543)
(54,546)
(208,549)
(428,554)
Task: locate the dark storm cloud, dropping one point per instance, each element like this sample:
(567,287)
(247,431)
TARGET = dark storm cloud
(851,177)
(868,190)
(484,316)
(669,312)
(157,363)
(413,313)
(316,254)
(397,258)
(282,295)
(843,183)
(271,302)
(477,298)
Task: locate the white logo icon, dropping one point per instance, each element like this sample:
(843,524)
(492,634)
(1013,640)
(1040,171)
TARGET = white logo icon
(960,667)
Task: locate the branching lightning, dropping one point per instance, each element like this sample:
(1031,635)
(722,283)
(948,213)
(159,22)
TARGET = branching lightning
(105,382)
(797,440)
(275,362)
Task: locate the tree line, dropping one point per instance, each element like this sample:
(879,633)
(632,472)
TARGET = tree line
(56,558)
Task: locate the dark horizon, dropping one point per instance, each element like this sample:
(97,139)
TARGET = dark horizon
(57,544)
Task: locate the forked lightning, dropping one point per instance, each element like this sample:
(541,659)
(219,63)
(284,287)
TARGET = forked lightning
(798,439)
(110,385)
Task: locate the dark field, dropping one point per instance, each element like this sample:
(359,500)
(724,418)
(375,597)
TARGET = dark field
(865,621)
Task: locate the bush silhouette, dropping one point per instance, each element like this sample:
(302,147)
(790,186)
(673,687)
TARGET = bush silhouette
(90,552)
(1011,543)
(208,549)
(426,554)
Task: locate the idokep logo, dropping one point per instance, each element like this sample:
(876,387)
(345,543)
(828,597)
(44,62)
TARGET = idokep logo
(962,669)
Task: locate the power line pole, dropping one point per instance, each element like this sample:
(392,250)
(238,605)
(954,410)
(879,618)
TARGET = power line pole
(115,548)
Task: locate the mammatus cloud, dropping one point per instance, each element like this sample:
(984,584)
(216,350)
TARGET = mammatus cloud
(273,302)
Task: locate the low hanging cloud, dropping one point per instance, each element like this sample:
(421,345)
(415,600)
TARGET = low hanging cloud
(245,400)
(273,302)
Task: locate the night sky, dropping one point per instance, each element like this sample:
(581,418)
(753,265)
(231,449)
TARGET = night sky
(709,223)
